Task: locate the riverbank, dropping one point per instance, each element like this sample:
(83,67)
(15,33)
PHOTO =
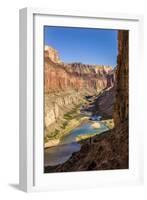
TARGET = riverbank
(70,121)
(72,124)
(77,116)
(71,143)
(105,151)
(76,127)
(109,123)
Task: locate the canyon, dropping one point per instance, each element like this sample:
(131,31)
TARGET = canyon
(108,150)
(65,87)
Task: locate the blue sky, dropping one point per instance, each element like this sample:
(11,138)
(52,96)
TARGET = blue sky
(85,45)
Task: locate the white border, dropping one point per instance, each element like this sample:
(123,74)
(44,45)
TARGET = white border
(31,79)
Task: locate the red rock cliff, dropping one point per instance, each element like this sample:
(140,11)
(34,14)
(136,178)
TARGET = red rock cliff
(61,77)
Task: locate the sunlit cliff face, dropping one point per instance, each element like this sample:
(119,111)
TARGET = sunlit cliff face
(77,76)
(51,53)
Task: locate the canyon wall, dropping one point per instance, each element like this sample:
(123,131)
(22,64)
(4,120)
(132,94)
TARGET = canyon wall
(56,105)
(104,104)
(80,77)
(122,73)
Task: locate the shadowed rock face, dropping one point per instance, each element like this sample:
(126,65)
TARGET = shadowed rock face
(110,149)
(104,104)
(122,73)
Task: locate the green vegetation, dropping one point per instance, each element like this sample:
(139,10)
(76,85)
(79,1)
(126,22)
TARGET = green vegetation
(109,123)
(64,124)
(52,135)
(85,136)
(73,113)
(71,120)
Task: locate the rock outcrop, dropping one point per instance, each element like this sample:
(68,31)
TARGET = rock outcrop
(111,78)
(122,73)
(110,149)
(52,54)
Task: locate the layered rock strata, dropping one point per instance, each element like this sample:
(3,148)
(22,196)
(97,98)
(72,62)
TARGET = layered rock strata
(63,77)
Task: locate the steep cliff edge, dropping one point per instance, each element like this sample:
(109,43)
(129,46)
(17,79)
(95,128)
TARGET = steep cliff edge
(122,74)
(110,149)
